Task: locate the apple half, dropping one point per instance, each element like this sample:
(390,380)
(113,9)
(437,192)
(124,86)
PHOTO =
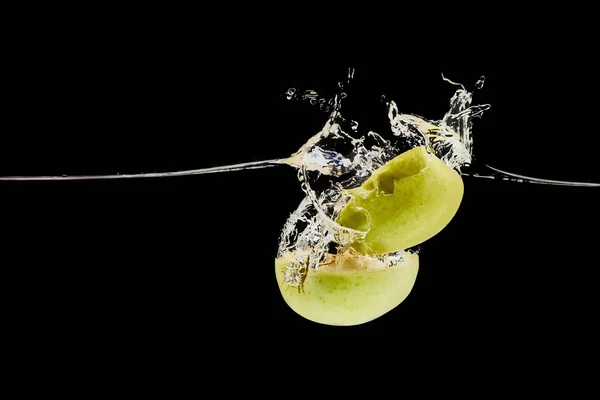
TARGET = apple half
(348,289)
(404,203)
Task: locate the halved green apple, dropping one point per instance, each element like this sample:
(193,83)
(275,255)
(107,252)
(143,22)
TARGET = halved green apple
(348,289)
(404,203)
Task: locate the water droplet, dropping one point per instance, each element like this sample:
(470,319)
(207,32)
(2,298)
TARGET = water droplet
(310,94)
(313,101)
(393,111)
(354,126)
(480,83)
(341,84)
(350,74)
(291,93)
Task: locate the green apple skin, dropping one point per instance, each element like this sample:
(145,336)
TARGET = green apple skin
(348,298)
(408,202)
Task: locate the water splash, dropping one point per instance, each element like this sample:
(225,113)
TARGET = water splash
(449,138)
(311,235)
(340,156)
(347,158)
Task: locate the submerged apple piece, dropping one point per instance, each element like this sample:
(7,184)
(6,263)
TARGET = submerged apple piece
(404,203)
(348,289)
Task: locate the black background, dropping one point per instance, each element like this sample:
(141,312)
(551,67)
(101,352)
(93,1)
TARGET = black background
(160,263)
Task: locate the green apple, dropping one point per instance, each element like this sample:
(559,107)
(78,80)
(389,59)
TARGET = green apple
(404,203)
(348,289)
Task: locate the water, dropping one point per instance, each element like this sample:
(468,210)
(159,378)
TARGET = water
(451,138)
(212,170)
(341,156)
(311,237)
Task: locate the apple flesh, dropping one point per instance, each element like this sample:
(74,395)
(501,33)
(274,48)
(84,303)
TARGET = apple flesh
(404,203)
(348,289)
